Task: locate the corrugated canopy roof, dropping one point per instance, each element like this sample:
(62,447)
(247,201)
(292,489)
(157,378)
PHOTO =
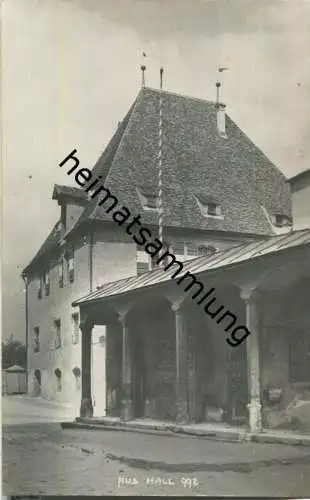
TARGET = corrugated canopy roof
(219,260)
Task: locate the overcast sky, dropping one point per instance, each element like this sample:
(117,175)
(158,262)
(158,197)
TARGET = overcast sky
(70,71)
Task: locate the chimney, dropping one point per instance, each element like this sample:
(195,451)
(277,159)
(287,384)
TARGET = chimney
(221,119)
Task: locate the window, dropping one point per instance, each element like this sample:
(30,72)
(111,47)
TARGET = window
(40,289)
(36,339)
(299,356)
(142,267)
(214,209)
(191,250)
(76,328)
(77,374)
(209,207)
(57,326)
(63,216)
(148,198)
(46,281)
(58,380)
(178,248)
(206,250)
(70,263)
(281,220)
(61,273)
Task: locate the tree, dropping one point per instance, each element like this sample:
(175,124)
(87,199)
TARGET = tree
(14,352)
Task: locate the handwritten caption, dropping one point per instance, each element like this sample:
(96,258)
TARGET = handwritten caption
(186,482)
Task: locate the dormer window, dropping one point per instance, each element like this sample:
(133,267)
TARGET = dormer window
(209,207)
(148,198)
(214,209)
(281,220)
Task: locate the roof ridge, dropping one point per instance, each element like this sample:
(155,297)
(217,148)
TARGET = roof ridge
(178,94)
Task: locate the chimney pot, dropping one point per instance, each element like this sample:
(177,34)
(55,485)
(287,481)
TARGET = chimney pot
(221,119)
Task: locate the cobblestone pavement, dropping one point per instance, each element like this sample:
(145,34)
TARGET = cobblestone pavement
(40,457)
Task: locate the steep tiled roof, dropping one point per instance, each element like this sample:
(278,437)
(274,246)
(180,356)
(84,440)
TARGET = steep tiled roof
(197,162)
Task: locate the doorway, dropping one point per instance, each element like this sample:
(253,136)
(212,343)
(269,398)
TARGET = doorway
(37,382)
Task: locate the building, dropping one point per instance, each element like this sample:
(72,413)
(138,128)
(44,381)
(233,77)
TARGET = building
(14,380)
(300,187)
(219,191)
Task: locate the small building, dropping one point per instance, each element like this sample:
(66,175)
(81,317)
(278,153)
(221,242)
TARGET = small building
(14,380)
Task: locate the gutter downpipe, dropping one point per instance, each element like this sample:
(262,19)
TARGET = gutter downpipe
(91,244)
(27,330)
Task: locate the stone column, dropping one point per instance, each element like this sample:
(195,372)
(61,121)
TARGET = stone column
(253,362)
(127,410)
(86,409)
(182,413)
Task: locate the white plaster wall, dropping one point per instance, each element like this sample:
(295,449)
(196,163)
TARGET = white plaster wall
(301,208)
(113,261)
(99,371)
(42,313)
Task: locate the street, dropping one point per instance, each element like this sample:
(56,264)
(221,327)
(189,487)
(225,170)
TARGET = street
(40,458)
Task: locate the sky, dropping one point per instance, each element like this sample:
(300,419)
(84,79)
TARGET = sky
(70,71)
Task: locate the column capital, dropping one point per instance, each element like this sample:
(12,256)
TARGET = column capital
(249,294)
(122,317)
(86,326)
(176,306)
